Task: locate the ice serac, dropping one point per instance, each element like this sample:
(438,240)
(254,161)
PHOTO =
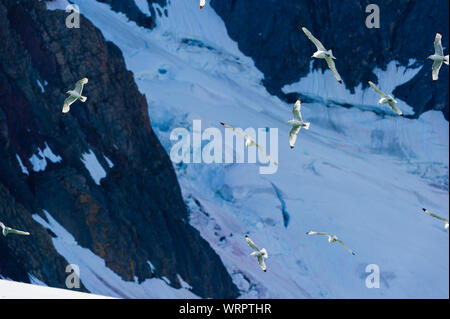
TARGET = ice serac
(272,34)
(136,213)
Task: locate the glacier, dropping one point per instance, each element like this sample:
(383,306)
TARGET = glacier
(359,174)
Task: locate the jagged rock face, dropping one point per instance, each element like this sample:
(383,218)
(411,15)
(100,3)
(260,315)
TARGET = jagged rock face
(282,52)
(137,212)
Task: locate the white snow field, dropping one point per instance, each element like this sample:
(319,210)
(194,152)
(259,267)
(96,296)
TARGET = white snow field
(19,290)
(361,175)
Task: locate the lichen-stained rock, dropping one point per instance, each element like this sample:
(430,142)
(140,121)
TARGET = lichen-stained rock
(136,214)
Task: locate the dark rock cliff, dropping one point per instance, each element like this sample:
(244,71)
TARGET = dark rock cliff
(137,212)
(282,52)
(130,9)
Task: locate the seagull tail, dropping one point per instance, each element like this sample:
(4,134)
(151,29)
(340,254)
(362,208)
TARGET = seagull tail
(330,52)
(306,125)
(446,61)
(83,99)
(264,253)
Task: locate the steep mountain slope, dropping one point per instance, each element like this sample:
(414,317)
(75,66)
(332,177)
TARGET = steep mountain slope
(359,172)
(18,290)
(96,180)
(282,52)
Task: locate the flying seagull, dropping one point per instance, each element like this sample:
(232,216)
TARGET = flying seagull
(9,230)
(259,253)
(386,99)
(202,4)
(436,216)
(297,123)
(249,141)
(323,53)
(331,239)
(438,57)
(75,95)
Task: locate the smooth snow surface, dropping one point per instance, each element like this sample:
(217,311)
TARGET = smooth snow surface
(143,6)
(92,164)
(22,167)
(39,159)
(19,290)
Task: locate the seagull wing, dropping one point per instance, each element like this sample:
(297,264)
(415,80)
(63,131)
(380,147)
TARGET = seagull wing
(251,244)
(318,233)
(296,111)
(67,102)
(293,134)
(377,89)
(247,137)
(435,69)
(80,84)
(316,42)
(265,153)
(261,262)
(2,225)
(395,108)
(438,45)
(435,216)
(332,67)
(237,131)
(15,231)
(342,243)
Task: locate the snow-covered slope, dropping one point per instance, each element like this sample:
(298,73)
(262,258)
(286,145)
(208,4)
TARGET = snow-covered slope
(18,290)
(98,278)
(357,174)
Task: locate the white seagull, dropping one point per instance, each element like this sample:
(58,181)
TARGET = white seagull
(323,53)
(297,123)
(438,57)
(436,216)
(331,239)
(8,230)
(75,95)
(202,4)
(249,142)
(259,253)
(386,99)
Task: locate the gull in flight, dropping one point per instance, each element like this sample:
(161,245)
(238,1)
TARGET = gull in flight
(331,239)
(202,4)
(8,230)
(249,141)
(386,99)
(436,216)
(75,95)
(259,253)
(438,57)
(323,53)
(297,123)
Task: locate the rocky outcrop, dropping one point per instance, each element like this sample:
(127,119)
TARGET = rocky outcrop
(282,52)
(137,213)
(130,9)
